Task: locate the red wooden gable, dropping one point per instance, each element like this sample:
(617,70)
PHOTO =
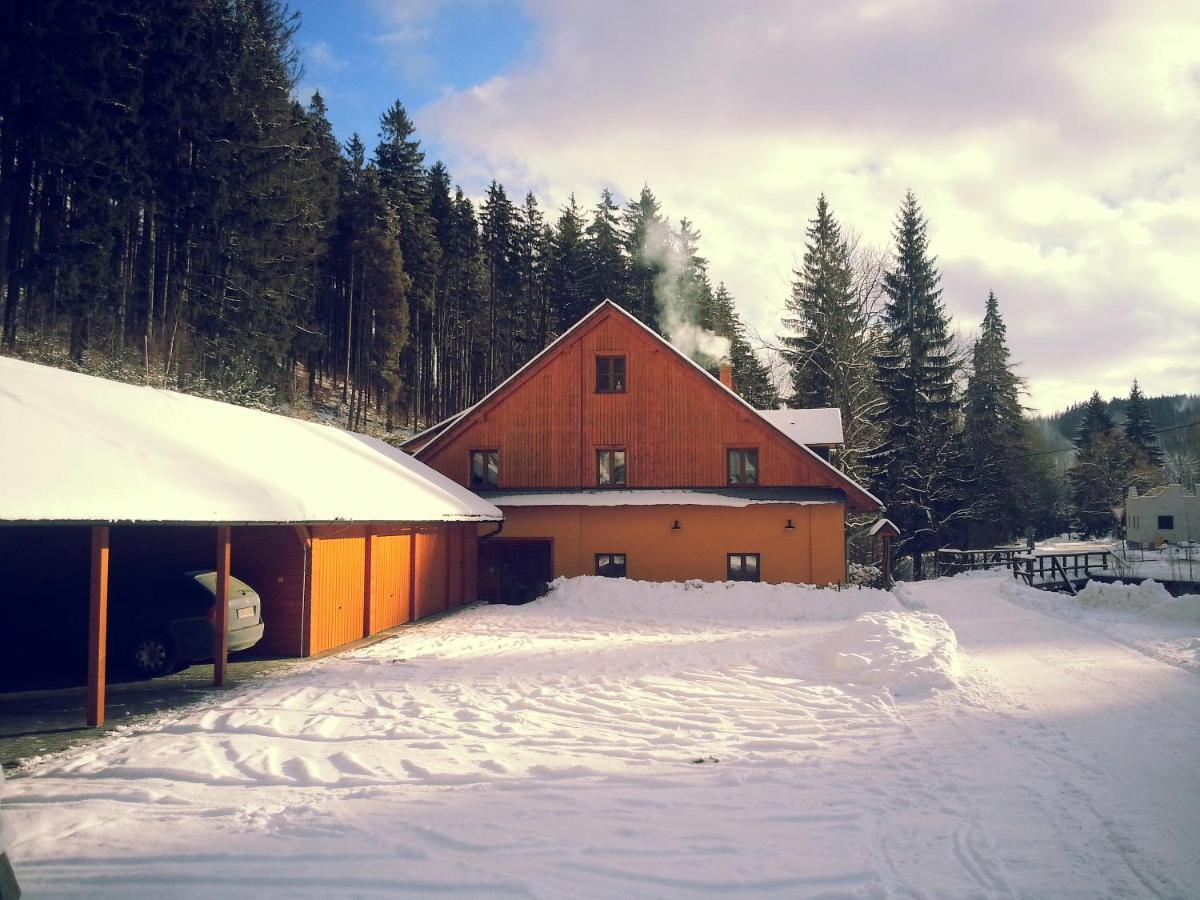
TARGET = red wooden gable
(675,422)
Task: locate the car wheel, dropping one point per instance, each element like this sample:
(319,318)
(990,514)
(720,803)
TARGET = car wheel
(152,656)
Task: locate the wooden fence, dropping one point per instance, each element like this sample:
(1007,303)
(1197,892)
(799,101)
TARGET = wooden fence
(1058,570)
(951,562)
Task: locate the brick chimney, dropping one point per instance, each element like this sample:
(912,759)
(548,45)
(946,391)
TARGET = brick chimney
(726,375)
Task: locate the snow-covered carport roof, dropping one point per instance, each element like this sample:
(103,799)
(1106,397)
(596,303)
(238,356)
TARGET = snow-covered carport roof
(85,450)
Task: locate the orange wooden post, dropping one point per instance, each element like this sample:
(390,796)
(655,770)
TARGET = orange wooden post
(412,575)
(367,592)
(97,626)
(221,619)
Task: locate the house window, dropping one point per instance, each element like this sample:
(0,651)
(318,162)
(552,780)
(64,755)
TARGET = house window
(485,468)
(610,374)
(610,468)
(743,465)
(610,565)
(743,567)
(1166,523)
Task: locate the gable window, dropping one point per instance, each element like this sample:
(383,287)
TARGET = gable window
(610,565)
(743,465)
(485,468)
(743,567)
(1166,523)
(610,468)
(610,374)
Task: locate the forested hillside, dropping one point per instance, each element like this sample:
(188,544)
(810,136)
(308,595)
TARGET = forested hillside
(169,211)
(1172,416)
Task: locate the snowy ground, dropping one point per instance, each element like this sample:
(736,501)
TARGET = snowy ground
(618,739)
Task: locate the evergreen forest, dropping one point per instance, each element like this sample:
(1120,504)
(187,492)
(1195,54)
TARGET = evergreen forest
(171,212)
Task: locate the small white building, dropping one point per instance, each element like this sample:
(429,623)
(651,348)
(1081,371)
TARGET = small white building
(1167,513)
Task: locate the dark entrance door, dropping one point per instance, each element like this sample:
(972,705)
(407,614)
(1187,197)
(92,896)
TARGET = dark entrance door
(516,571)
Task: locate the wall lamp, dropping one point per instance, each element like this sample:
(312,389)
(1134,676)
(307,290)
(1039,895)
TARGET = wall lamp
(790,525)
(676,526)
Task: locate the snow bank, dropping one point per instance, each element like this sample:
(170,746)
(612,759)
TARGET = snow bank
(1149,598)
(622,598)
(907,653)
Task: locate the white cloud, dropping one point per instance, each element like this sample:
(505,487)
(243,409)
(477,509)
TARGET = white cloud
(320,55)
(1054,147)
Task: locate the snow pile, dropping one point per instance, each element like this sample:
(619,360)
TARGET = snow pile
(593,597)
(1149,598)
(906,653)
(1119,595)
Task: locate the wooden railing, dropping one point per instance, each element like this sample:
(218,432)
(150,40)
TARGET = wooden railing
(1058,570)
(951,562)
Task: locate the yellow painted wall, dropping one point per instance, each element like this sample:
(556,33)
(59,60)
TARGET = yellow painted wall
(811,553)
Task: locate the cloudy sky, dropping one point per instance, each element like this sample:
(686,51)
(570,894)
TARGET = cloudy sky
(1055,146)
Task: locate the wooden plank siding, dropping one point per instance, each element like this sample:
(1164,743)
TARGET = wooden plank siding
(391,604)
(271,559)
(338,585)
(443,554)
(675,427)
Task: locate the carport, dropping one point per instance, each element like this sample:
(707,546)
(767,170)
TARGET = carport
(345,535)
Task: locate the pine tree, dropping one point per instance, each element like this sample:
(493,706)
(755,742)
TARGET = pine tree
(405,184)
(823,314)
(918,468)
(533,258)
(498,239)
(1099,480)
(751,378)
(831,342)
(1139,427)
(567,274)
(607,273)
(647,243)
(1106,465)
(1096,421)
(994,435)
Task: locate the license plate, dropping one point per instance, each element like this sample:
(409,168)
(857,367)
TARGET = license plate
(246,612)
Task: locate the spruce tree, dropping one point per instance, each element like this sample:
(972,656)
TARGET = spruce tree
(1096,421)
(568,266)
(994,435)
(918,467)
(830,342)
(647,243)
(498,221)
(1139,427)
(405,184)
(751,378)
(607,273)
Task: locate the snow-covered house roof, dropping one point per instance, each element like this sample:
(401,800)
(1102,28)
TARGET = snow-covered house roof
(811,427)
(75,448)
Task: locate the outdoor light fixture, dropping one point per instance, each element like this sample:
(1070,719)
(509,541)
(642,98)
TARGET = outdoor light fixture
(790,525)
(676,526)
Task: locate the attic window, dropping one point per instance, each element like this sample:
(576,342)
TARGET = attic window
(610,468)
(485,468)
(743,465)
(610,374)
